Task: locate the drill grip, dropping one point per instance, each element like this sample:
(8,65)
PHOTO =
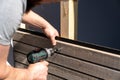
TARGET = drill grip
(37,55)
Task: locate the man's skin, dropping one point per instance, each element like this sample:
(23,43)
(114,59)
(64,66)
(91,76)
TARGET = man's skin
(38,21)
(37,71)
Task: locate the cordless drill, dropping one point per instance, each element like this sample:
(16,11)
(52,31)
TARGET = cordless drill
(41,54)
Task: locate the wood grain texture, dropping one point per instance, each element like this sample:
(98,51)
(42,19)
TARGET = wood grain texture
(81,52)
(69,10)
(54,69)
(77,65)
(73,62)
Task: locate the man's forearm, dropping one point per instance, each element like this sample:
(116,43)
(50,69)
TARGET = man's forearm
(19,74)
(16,74)
(4,71)
(3,59)
(7,72)
(35,19)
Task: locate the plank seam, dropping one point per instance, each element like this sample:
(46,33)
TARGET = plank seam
(57,76)
(65,68)
(80,59)
(75,70)
(88,61)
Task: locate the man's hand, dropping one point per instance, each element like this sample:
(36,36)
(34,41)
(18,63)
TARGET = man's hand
(51,33)
(38,21)
(39,70)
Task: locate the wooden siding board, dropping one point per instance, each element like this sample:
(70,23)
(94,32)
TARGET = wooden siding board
(51,77)
(32,40)
(80,52)
(23,48)
(21,58)
(88,62)
(69,74)
(86,67)
(54,69)
(99,57)
(19,65)
(78,65)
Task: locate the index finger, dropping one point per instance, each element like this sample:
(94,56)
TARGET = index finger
(44,62)
(53,40)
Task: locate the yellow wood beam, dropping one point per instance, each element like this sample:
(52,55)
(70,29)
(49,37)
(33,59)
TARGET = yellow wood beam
(69,19)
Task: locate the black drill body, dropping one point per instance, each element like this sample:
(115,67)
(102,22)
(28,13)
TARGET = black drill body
(40,54)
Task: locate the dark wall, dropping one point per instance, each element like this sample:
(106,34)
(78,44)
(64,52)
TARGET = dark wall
(51,12)
(99,22)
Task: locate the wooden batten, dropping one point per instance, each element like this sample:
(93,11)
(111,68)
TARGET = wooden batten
(69,19)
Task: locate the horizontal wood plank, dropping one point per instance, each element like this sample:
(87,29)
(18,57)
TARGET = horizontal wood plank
(23,48)
(69,74)
(20,65)
(55,69)
(78,65)
(92,55)
(32,40)
(52,77)
(79,62)
(80,52)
